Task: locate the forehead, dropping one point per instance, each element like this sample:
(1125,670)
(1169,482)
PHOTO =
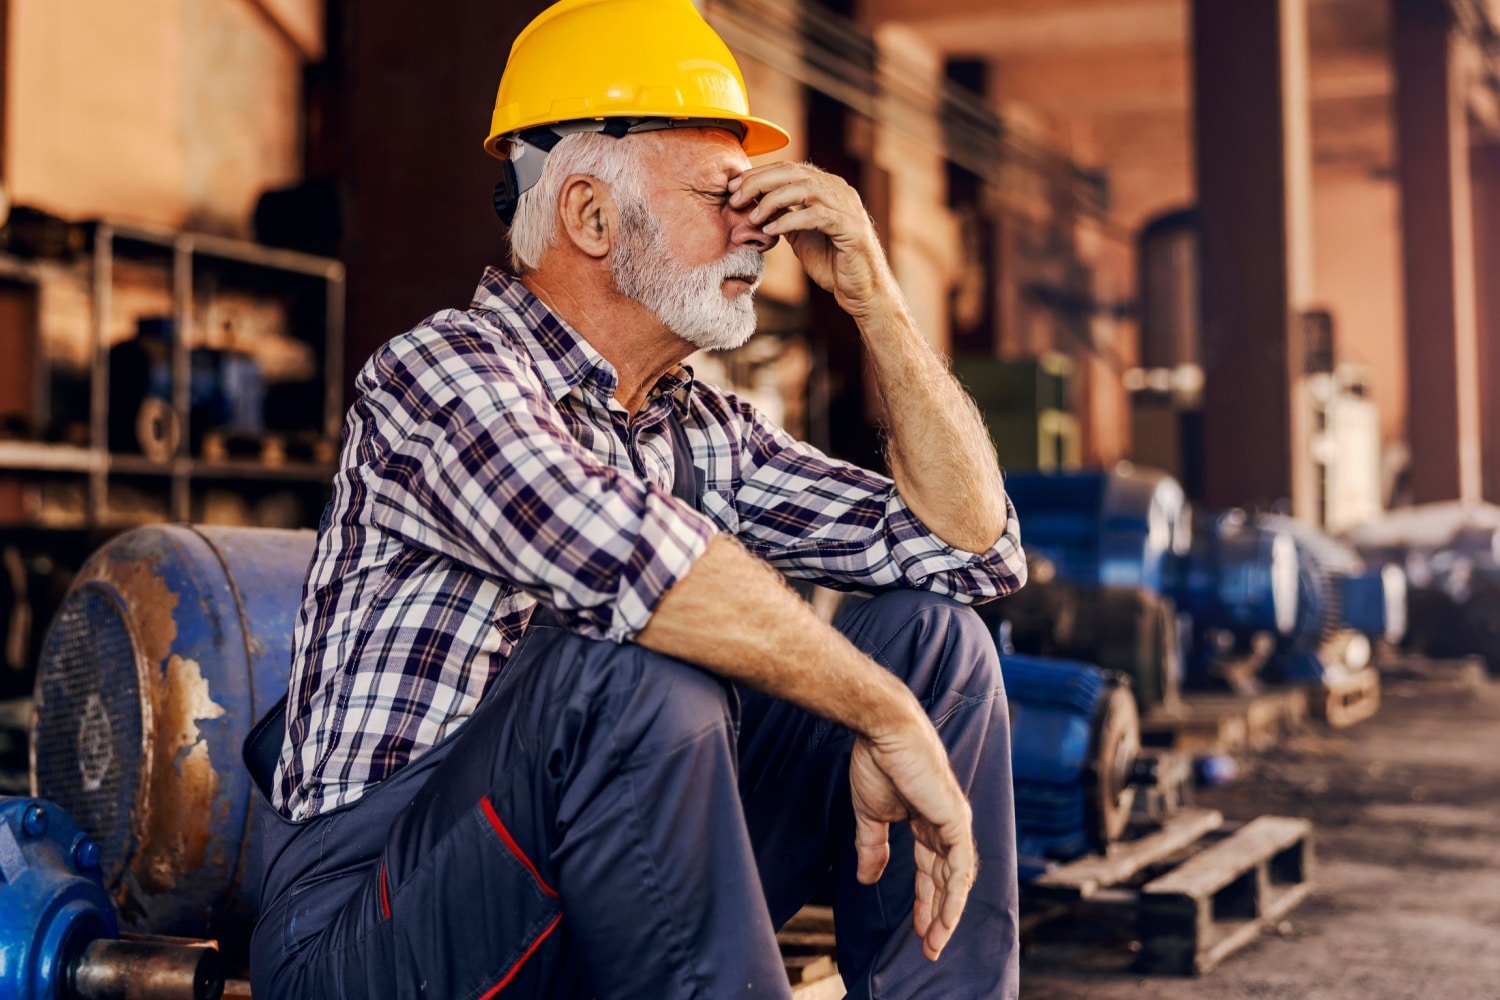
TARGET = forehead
(696,156)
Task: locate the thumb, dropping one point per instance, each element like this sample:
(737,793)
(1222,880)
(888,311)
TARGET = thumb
(872,846)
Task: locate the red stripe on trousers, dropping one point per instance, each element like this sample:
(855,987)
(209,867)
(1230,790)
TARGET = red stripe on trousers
(522,961)
(515,848)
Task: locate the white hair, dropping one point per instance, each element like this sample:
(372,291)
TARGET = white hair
(616,162)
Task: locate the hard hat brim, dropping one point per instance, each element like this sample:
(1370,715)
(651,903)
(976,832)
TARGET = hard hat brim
(761,136)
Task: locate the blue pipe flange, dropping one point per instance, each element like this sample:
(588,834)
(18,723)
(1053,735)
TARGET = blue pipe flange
(52,898)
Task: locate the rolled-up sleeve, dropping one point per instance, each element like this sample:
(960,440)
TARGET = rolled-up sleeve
(481,469)
(820,519)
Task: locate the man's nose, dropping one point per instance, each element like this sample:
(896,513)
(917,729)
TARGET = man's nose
(746,234)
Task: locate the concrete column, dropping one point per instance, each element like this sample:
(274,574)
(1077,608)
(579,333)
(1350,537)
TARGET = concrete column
(1485,174)
(1253,144)
(1437,253)
(418,90)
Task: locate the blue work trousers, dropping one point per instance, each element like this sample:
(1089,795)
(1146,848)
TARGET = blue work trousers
(614,823)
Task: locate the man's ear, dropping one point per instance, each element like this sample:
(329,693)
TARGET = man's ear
(588,214)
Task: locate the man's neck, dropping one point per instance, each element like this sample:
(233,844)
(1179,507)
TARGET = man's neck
(625,333)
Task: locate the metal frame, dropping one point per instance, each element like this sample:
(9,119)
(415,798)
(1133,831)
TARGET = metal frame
(190,254)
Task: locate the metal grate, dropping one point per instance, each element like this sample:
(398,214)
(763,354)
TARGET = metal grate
(89,722)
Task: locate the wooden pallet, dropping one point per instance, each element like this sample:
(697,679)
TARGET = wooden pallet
(1218,901)
(1347,700)
(1167,794)
(807,949)
(1084,878)
(1226,721)
(1184,898)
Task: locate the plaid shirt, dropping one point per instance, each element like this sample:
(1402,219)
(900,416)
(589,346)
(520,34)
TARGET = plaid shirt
(486,466)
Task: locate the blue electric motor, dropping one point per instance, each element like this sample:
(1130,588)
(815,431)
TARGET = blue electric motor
(170,644)
(1342,607)
(1120,528)
(1239,583)
(1075,738)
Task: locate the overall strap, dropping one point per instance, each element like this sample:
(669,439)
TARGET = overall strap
(685,482)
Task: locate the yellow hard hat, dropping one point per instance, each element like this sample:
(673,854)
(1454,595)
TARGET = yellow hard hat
(633,59)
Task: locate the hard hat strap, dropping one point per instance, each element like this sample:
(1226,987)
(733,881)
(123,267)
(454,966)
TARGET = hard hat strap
(523,168)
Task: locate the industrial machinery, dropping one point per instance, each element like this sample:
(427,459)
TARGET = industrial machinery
(1103,547)
(1342,607)
(1262,595)
(1238,589)
(225,388)
(1450,554)
(59,939)
(1123,527)
(1075,743)
(1130,630)
(169,645)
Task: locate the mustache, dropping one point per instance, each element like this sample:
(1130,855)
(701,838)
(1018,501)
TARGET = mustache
(741,262)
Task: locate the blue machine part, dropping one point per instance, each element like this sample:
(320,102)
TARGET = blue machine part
(1374,602)
(1075,736)
(226,388)
(170,644)
(1241,577)
(52,898)
(1341,589)
(1119,528)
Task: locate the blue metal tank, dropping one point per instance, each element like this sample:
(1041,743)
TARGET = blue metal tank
(170,644)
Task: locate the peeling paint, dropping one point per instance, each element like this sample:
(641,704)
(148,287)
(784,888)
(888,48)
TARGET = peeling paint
(183,782)
(140,583)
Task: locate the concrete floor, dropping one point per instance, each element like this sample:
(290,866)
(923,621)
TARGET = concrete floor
(1407,811)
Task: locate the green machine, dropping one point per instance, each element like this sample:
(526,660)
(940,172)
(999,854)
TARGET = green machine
(1028,406)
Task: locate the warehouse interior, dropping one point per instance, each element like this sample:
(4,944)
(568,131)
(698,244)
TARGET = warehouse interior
(1222,277)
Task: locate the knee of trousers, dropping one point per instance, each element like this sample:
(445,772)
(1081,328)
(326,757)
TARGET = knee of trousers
(649,703)
(934,643)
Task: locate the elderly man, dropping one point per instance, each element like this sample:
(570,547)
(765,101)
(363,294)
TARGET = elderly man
(556,725)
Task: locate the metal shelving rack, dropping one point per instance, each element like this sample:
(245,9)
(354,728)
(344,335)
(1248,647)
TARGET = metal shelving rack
(189,254)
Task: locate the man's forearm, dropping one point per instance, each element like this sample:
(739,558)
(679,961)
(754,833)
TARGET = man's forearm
(941,454)
(733,615)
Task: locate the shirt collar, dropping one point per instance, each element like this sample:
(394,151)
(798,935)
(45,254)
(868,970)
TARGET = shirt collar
(564,359)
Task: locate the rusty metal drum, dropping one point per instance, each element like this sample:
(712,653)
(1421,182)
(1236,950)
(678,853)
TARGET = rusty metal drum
(169,645)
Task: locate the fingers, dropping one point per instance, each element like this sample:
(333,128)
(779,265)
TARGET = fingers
(953,877)
(779,186)
(815,218)
(780,199)
(872,847)
(921,914)
(755,182)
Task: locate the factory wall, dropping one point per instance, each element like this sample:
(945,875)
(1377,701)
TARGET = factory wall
(183,126)
(1357,275)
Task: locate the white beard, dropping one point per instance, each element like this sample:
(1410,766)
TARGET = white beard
(689,300)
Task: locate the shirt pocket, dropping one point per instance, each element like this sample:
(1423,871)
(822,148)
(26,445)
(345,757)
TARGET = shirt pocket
(718,507)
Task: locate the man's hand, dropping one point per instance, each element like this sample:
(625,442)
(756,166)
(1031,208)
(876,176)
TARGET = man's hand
(906,776)
(941,455)
(765,636)
(828,228)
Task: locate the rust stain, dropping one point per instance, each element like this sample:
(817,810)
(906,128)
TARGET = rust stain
(178,825)
(142,586)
